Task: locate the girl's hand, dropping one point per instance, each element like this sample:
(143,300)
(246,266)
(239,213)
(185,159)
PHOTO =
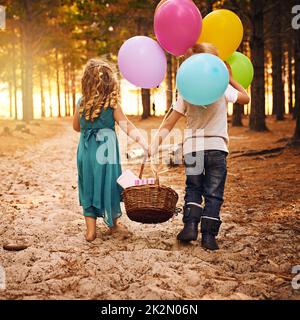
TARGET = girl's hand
(129,128)
(243,97)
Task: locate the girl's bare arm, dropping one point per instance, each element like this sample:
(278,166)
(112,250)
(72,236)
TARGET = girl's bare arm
(129,128)
(76,123)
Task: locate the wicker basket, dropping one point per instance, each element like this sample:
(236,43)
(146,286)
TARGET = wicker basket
(150,204)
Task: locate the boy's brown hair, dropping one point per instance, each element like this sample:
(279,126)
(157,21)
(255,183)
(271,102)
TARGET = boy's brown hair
(205,48)
(201,48)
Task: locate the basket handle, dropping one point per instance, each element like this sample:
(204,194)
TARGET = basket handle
(152,168)
(142,168)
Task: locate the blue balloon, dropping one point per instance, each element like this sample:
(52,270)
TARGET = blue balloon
(202,79)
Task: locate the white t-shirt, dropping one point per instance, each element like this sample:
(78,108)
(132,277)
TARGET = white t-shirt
(207,127)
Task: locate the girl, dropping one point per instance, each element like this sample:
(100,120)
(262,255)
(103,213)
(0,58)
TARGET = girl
(205,152)
(98,159)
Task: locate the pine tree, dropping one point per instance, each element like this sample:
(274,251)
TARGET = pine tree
(257,116)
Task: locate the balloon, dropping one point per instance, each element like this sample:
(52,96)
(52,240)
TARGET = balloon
(160,4)
(224,30)
(242,69)
(177,25)
(142,62)
(202,79)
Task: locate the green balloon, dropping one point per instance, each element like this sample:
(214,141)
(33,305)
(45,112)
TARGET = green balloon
(242,69)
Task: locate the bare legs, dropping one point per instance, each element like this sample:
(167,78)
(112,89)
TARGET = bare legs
(91,229)
(119,228)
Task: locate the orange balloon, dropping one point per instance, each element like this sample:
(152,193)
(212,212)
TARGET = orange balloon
(224,29)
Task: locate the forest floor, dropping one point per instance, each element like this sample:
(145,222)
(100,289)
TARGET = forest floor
(259,240)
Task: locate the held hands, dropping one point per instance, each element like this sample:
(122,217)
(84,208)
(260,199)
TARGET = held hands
(150,151)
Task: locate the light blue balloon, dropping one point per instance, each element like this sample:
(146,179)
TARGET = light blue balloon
(202,79)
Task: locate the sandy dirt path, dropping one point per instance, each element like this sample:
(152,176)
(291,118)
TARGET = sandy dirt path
(39,206)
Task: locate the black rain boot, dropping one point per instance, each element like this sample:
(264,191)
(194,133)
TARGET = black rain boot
(191,219)
(210,229)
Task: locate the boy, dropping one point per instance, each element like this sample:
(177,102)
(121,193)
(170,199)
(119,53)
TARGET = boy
(205,153)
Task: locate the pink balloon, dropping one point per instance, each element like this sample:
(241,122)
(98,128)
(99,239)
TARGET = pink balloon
(177,25)
(142,62)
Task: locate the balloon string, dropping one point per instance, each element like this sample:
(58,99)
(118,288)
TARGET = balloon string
(204,107)
(156,172)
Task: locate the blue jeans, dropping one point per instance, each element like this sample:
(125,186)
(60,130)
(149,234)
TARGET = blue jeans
(206,174)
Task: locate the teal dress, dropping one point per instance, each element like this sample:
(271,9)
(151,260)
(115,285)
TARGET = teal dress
(98,163)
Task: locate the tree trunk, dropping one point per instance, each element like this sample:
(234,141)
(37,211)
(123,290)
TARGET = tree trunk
(169,82)
(22,72)
(209,6)
(27,63)
(57,83)
(43,112)
(146,100)
(268,84)
(290,80)
(73,88)
(11,110)
(142,27)
(277,66)
(49,91)
(14,79)
(297,85)
(28,86)
(238,111)
(176,65)
(257,116)
(66,89)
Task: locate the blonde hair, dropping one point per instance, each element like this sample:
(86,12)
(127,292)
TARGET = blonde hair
(100,89)
(201,48)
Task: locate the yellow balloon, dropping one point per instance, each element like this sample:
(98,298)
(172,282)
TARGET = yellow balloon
(224,29)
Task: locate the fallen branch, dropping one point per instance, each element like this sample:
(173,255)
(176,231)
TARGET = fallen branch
(253,153)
